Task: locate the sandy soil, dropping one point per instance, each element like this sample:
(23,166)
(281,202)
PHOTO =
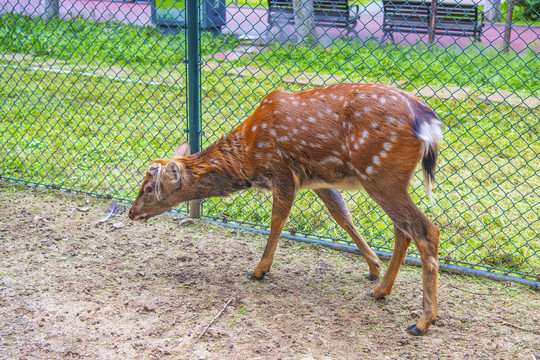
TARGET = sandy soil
(71,288)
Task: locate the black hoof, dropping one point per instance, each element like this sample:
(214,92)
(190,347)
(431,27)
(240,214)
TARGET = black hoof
(250,276)
(432,322)
(373,296)
(413,330)
(372,277)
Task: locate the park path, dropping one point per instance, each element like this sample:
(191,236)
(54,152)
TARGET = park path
(252,23)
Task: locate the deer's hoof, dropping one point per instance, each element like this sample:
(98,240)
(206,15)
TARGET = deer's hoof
(250,276)
(414,330)
(378,298)
(372,277)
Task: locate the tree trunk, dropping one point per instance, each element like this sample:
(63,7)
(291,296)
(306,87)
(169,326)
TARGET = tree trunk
(50,9)
(304,21)
(492,9)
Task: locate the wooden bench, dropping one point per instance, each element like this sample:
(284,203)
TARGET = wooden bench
(330,13)
(461,18)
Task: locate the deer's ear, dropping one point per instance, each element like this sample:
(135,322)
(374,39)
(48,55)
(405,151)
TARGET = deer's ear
(154,169)
(183,150)
(173,172)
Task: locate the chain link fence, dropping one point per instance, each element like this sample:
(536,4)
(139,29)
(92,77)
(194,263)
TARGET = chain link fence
(91,91)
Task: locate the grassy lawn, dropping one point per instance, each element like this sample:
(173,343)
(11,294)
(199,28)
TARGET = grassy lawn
(96,135)
(264,3)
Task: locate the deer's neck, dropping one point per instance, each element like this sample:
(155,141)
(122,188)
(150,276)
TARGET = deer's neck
(219,169)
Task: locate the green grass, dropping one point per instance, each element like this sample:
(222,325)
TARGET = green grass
(419,65)
(96,135)
(264,3)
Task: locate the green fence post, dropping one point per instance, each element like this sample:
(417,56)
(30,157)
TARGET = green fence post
(194,95)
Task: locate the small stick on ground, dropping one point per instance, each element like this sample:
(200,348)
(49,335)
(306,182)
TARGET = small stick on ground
(213,320)
(520,328)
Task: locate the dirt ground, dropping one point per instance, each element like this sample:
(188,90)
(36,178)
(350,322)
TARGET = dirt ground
(71,288)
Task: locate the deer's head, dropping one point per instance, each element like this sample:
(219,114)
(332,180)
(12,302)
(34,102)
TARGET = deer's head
(163,182)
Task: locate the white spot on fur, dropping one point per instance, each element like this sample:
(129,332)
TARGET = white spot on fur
(369,170)
(366,109)
(376,160)
(331,160)
(263,126)
(390,119)
(352,138)
(311,119)
(253,128)
(393,136)
(357,113)
(356,146)
(282,138)
(295,103)
(272,132)
(356,171)
(303,127)
(382,100)
(345,104)
(387,146)
(262,144)
(383,154)
(365,134)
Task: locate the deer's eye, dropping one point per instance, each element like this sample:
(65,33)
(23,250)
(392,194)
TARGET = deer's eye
(148,189)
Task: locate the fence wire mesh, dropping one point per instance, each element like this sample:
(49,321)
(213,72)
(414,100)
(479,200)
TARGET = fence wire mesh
(91,91)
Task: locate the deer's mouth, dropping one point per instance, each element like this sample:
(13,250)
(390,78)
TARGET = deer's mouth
(140,217)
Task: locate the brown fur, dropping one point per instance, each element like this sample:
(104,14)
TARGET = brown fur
(346,136)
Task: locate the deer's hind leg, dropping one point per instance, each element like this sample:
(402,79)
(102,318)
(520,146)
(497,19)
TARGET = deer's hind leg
(339,211)
(410,223)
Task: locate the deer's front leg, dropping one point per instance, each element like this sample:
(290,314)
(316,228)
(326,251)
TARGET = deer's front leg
(283,198)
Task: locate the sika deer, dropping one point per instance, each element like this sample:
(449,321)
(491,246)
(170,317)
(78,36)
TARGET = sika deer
(346,136)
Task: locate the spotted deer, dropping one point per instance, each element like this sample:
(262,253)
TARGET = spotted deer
(345,136)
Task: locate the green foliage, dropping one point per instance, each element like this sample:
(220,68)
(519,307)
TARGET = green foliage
(417,65)
(79,39)
(529,9)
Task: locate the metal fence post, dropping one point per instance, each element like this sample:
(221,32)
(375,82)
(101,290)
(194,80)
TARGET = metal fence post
(194,89)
